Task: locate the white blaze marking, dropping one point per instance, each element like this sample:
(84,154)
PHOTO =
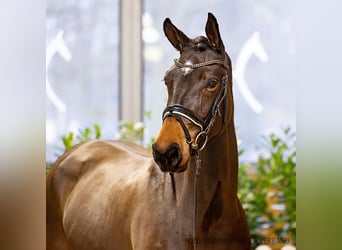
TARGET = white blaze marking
(187,70)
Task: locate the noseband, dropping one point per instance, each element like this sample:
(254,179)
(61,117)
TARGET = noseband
(178,111)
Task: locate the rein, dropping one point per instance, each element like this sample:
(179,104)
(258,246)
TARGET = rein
(178,112)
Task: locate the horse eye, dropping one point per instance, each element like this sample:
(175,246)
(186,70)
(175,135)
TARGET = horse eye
(165,82)
(212,84)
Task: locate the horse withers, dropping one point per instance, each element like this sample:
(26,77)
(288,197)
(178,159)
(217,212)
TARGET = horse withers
(115,195)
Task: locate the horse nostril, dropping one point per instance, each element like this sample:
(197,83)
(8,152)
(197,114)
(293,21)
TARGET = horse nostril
(173,155)
(157,154)
(169,159)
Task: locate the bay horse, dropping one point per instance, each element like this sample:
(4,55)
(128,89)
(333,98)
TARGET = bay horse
(116,195)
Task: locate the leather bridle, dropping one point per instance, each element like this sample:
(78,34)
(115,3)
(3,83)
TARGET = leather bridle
(178,111)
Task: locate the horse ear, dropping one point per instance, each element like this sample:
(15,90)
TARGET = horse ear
(213,33)
(177,38)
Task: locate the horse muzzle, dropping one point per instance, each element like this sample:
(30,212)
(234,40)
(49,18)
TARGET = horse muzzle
(170,150)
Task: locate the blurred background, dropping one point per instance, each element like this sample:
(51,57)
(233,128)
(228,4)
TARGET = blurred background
(105,62)
(84,56)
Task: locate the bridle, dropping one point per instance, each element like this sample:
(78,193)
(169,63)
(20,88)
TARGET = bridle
(178,112)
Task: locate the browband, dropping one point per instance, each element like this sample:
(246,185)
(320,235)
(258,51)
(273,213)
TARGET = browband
(199,65)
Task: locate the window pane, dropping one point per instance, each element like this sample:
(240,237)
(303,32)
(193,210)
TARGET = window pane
(260,39)
(82,50)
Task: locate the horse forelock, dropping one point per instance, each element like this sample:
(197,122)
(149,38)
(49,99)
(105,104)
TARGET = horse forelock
(201,43)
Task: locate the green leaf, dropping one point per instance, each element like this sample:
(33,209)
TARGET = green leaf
(148,114)
(97,131)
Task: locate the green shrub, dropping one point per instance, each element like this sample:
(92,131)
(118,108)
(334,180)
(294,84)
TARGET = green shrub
(69,140)
(274,176)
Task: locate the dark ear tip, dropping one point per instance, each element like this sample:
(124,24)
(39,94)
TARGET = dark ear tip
(167,21)
(211,15)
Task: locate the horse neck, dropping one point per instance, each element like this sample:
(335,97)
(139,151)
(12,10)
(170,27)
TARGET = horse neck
(219,169)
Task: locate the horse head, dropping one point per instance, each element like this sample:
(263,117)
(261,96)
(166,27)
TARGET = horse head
(200,102)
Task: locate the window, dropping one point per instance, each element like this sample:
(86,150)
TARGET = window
(82,73)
